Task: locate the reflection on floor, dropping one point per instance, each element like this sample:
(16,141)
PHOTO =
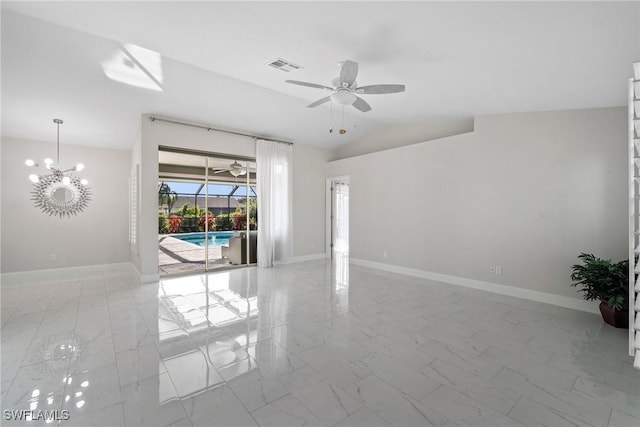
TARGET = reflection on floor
(177,256)
(314,344)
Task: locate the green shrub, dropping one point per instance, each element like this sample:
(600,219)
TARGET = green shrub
(163,224)
(188,209)
(190,223)
(223,223)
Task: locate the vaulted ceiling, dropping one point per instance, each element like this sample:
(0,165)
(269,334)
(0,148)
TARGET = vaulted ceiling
(457,60)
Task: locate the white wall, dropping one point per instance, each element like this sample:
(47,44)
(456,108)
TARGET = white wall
(96,236)
(526,191)
(308,187)
(308,200)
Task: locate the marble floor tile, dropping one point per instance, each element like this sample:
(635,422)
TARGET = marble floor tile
(139,363)
(255,388)
(217,407)
(617,399)
(293,346)
(328,402)
(464,410)
(12,359)
(41,382)
(107,417)
(511,357)
(174,343)
(22,322)
(93,330)
(393,353)
(395,407)
(93,313)
(471,345)
(91,354)
(406,380)
(274,359)
(192,373)
(621,419)
(335,369)
(92,390)
(152,401)
(528,412)
(480,389)
(364,417)
(286,411)
(536,372)
(132,338)
(570,404)
(222,351)
(461,359)
(292,340)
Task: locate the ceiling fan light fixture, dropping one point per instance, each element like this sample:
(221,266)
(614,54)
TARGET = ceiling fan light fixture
(343,97)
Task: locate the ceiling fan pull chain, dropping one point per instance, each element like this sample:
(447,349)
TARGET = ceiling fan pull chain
(342,129)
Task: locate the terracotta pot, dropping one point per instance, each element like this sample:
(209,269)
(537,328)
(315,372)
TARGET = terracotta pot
(615,318)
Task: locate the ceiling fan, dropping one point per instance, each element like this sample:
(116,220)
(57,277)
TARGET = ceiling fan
(235,169)
(346,90)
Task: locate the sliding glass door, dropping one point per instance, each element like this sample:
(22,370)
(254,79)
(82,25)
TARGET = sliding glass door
(207,213)
(233,183)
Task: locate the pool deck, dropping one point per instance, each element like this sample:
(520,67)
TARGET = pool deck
(179,256)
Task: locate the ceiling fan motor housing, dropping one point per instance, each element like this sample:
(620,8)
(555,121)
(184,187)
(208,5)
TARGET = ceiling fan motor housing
(343,97)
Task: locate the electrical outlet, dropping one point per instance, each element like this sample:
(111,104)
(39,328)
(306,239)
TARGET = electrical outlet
(52,258)
(495,270)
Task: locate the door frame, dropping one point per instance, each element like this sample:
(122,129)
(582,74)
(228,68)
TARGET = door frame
(329,210)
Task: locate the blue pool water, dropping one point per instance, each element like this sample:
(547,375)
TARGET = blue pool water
(216,238)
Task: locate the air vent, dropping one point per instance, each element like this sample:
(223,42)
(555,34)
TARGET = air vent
(284,65)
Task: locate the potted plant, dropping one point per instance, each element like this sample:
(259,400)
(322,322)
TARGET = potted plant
(608,282)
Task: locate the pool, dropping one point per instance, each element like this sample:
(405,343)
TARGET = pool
(216,238)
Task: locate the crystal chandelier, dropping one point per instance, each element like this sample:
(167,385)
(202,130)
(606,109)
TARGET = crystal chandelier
(57,191)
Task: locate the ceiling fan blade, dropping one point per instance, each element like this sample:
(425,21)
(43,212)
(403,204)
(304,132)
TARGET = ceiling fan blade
(348,73)
(220,170)
(361,105)
(319,101)
(380,89)
(317,86)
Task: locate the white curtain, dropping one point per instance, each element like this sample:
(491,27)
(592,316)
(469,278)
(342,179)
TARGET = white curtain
(274,191)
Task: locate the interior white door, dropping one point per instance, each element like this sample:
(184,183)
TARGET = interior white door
(340,217)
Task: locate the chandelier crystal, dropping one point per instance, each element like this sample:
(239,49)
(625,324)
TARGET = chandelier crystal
(59,192)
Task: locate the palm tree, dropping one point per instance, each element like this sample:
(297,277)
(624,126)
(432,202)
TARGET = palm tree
(166,197)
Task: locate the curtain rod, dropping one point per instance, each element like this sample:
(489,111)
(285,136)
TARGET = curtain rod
(209,128)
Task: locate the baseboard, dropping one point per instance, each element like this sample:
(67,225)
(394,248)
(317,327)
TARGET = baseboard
(544,297)
(145,278)
(302,258)
(19,278)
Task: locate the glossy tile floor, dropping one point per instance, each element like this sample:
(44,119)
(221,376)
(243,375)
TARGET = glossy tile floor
(309,344)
